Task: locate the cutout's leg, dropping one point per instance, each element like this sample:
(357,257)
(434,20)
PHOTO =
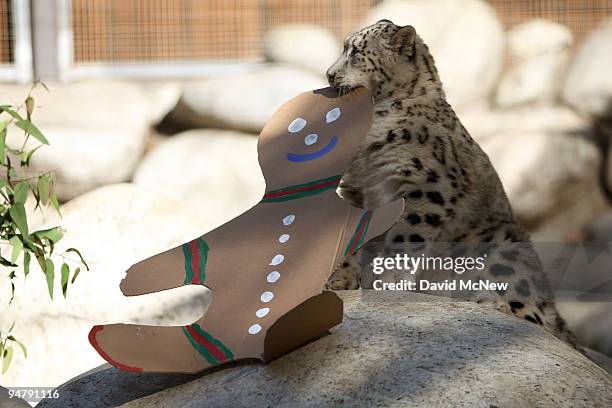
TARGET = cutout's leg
(176,267)
(302,324)
(159,349)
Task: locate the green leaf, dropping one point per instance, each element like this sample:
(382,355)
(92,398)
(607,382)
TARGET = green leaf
(20,344)
(43,189)
(29,102)
(76,251)
(17,247)
(3,124)
(65,276)
(26,263)
(2,145)
(32,130)
(7,356)
(52,234)
(9,109)
(55,203)
(50,274)
(76,273)
(18,214)
(20,193)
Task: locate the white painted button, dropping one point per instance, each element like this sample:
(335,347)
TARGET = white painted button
(267,296)
(277,260)
(273,276)
(283,238)
(297,125)
(311,139)
(262,312)
(254,329)
(332,115)
(288,220)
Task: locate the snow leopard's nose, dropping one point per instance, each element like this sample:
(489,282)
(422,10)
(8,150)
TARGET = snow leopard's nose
(331,76)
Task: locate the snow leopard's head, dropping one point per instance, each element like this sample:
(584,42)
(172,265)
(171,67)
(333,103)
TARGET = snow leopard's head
(381,57)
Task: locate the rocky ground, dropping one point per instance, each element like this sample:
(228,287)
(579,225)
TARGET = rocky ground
(185,153)
(392,350)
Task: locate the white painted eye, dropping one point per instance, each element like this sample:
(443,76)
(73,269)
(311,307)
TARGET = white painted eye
(311,139)
(284,238)
(254,329)
(262,312)
(297,125)
(332,115)
(288,220)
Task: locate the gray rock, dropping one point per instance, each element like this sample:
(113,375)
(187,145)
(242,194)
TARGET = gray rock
(540,51)
(588,87)
(455,30)
(7,402)
(209,171)
(303,45)
(392,350)
(552,181)
(241,101)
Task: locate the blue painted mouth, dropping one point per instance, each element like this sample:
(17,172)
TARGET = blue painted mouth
(298,158)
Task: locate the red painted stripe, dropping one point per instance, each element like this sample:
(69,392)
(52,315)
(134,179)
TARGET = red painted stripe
(360,232)
(94,343)
(214,350)
(274,194)
(195,261)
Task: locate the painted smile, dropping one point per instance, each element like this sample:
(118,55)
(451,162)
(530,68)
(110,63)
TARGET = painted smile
(298,158)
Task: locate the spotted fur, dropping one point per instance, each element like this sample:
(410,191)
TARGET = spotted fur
(418,149)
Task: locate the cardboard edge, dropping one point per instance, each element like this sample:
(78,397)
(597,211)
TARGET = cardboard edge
(303,324)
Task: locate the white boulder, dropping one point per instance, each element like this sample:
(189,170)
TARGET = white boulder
(539,51)
(465,37)
(213,172)
(304,45)
(588,87)
(242,101)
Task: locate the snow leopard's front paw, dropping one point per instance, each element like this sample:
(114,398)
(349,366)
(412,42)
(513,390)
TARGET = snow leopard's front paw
(346,276)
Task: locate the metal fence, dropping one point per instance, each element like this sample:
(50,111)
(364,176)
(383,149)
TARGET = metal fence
(87,38)
(15,44)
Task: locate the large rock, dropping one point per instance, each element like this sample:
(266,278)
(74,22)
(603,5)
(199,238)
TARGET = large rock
(97,130)
(464,36)
(304,45)
(210,171)
(552,180)
(114,227)
(241,101)
(588,87)
(82,157)
(483,122)
(539,51)
(392,350)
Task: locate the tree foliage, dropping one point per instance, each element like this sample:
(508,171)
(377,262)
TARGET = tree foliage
(19,241)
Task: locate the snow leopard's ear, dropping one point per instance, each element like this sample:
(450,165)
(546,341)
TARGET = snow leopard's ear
(403,40)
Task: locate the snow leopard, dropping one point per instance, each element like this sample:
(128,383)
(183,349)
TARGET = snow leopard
(417,149)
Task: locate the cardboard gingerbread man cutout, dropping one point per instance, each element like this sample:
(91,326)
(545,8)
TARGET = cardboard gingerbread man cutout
(267,267)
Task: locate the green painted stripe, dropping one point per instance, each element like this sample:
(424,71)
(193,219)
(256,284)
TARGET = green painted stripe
(365,231)
(201,349)
(228,353)
(203,249)
(354,237)
(298,195)
(310,183)
(188,270)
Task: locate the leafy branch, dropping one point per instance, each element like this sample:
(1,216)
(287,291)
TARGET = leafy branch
(14,228)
